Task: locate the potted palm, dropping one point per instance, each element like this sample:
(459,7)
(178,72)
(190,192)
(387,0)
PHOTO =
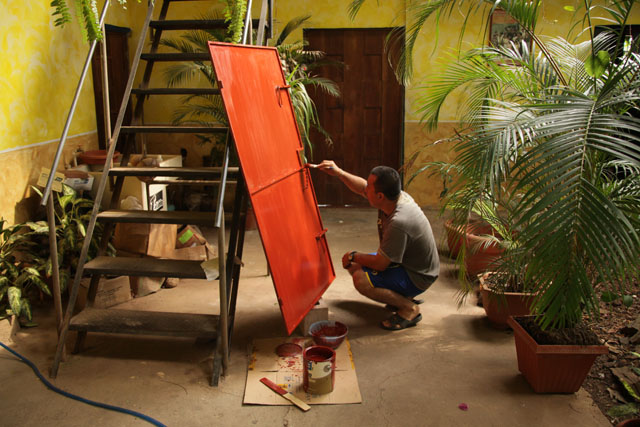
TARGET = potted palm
(554,126)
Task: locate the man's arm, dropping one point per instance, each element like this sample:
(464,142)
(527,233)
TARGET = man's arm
(355,183)
(377,262)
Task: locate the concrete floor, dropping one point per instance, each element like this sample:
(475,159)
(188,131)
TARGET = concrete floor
(418,376)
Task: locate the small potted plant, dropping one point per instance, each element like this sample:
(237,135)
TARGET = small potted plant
(21,273)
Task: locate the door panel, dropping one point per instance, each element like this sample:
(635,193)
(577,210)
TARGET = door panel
(268,145)
(366,123)
(118,74)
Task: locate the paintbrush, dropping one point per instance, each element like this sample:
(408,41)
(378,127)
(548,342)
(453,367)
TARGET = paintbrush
(284,393)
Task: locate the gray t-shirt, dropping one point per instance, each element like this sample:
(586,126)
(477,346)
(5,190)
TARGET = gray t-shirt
(406,238)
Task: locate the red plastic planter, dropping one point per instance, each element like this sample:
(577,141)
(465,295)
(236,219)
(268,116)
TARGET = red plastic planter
(553,368)
(499,307)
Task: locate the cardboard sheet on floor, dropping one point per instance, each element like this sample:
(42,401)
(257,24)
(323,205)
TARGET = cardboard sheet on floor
(287,373)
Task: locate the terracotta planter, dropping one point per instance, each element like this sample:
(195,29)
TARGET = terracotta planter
(480,255)
(632,422)
(97,157)
(500,306)
(553,368)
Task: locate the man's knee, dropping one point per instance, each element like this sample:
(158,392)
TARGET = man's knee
(361,282)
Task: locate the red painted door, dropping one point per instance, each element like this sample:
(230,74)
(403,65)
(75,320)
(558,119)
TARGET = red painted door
(261,116)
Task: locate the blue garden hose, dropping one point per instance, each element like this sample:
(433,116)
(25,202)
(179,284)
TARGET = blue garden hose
(78,398)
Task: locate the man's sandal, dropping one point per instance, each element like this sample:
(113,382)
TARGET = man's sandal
(397,323)
(395,309)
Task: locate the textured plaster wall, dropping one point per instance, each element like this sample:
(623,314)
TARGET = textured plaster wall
(40,66)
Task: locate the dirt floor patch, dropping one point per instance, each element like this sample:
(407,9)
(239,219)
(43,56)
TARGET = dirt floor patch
(605,389)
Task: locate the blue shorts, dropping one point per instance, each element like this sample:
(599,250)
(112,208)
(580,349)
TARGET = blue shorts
(394,278)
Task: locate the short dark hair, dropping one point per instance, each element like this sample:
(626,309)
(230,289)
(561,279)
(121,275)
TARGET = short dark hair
(387,182)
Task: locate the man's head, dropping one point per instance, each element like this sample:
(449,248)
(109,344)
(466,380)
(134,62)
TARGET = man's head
(383,181)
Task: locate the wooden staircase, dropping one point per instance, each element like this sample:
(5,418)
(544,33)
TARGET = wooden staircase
(212,326)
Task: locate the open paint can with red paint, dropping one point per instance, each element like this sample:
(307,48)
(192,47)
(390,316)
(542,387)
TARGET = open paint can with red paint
(319,365)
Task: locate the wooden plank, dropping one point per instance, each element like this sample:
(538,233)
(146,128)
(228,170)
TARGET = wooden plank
(173,129)
(176,91)
(188,24)
(161,217)
(197,56)
(145,323)
(157,217)
(152,267)
(169,172)
(215,182)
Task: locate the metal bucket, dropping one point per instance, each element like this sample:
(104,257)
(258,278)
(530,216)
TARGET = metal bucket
(319,364)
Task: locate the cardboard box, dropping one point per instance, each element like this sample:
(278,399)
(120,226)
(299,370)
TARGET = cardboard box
(134,187)
(110,292)
(156,240)
(196,253)
(190,236)
(143,286)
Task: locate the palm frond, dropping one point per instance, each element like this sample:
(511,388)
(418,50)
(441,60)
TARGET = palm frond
(290,27)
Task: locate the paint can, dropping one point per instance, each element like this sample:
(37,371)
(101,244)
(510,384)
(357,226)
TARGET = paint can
(319,364)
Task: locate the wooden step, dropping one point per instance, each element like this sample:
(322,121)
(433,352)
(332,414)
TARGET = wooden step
(190,181)
(151,267)
(171,172)
(188,24)
(176,91)
(173,129)
(196,56)
(160,217)
(193,24)
(145,323)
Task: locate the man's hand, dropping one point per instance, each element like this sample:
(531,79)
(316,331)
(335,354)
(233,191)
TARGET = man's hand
(346,262)
(327,166)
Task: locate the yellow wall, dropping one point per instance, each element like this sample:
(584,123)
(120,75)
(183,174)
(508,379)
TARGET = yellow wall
(40,66)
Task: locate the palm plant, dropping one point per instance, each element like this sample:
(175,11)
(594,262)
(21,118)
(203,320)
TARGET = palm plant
(553,129)
(208,110)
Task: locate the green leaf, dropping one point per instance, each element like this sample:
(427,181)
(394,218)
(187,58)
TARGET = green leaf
(630,390)
(627,300)
(636,370)
(41,285)
(635,354)
(15,296)
(569,8)
(26,308)
(29,324)
(595,66)
(609,296)
(623,410)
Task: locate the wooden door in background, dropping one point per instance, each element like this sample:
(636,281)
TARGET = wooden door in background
(366,124)
(118,74)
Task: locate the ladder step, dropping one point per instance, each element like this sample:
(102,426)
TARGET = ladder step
(151,267)
(145,323)
(171,172)
(197,56)
(172,129)
(189,24)
(176,91)
(159,217)
(190,181)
